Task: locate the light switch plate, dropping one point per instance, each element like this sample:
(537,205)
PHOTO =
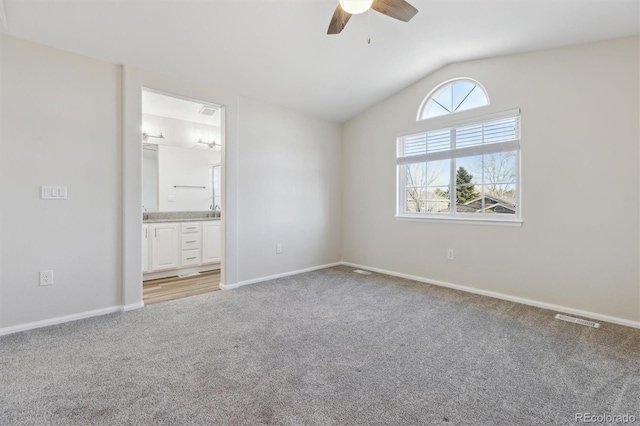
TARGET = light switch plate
(53,192)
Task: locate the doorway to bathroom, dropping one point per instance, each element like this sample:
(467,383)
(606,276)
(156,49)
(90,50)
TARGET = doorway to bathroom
(181,144)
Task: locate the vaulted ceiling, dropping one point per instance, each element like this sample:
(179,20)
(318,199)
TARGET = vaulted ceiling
(278,51)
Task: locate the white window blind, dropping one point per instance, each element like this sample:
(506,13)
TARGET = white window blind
(481,138)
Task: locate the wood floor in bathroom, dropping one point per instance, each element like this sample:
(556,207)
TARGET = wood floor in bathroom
(155,291)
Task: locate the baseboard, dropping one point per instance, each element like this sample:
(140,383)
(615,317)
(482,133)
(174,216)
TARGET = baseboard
(69,318)
(132,306)
(521,300)
(223,286)
(58,320)
(273,277)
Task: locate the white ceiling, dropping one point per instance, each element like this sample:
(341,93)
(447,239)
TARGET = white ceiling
(179,109)
(278,51)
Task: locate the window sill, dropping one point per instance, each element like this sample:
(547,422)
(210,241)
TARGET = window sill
(462,220)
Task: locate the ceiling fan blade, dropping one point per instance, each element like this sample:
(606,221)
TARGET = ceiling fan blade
(338,21)
(398,9)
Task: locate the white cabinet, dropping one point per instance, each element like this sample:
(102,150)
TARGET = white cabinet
(211,242)
(145,248)
(175,245)
(165,252)
(190,243)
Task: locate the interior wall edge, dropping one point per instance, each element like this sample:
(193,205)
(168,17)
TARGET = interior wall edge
(1,221)
(3,16)
(276,276)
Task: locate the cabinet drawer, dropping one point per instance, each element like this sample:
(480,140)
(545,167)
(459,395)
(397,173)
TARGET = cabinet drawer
(191,257)
(191,241)
(191,227)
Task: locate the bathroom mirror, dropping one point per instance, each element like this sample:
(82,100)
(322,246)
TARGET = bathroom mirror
(177,179)
(181,154)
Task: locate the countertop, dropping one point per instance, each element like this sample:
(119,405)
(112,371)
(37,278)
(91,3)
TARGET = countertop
(191,219)
(192,216)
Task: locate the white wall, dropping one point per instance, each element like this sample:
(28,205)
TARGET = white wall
(75,121)
(578,246)
(185,167)
(60,126)
(289,191)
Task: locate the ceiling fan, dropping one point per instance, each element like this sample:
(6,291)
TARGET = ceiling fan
(398,9)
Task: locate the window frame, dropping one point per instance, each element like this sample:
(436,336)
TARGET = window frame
(425,101)
(452,215)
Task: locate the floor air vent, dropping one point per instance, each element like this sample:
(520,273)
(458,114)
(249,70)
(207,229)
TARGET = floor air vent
(361,272)
(577,321)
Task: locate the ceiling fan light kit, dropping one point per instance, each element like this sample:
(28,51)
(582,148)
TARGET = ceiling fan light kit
(355,7)
(397,9)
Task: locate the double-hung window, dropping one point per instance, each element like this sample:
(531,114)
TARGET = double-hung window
(469,170)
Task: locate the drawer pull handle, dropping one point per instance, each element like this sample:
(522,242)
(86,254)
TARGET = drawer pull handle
(190,242)
(192,228)
(190,258)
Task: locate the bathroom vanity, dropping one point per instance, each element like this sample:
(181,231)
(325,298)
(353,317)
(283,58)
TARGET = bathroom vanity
(180,243)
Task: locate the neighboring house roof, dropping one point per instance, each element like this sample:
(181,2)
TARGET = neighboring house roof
(492,204)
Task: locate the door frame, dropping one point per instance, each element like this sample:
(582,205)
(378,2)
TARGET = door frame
(134,81)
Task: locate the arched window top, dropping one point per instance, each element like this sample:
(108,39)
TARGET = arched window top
(453,96)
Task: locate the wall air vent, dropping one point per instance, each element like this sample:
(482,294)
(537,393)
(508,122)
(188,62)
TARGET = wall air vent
(208,110)
(577,321)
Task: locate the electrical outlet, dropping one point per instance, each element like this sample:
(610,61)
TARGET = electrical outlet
(279,248)
(46,277)
(449,254)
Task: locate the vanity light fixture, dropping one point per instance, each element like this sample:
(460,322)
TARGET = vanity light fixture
(211,144)
(146,136)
